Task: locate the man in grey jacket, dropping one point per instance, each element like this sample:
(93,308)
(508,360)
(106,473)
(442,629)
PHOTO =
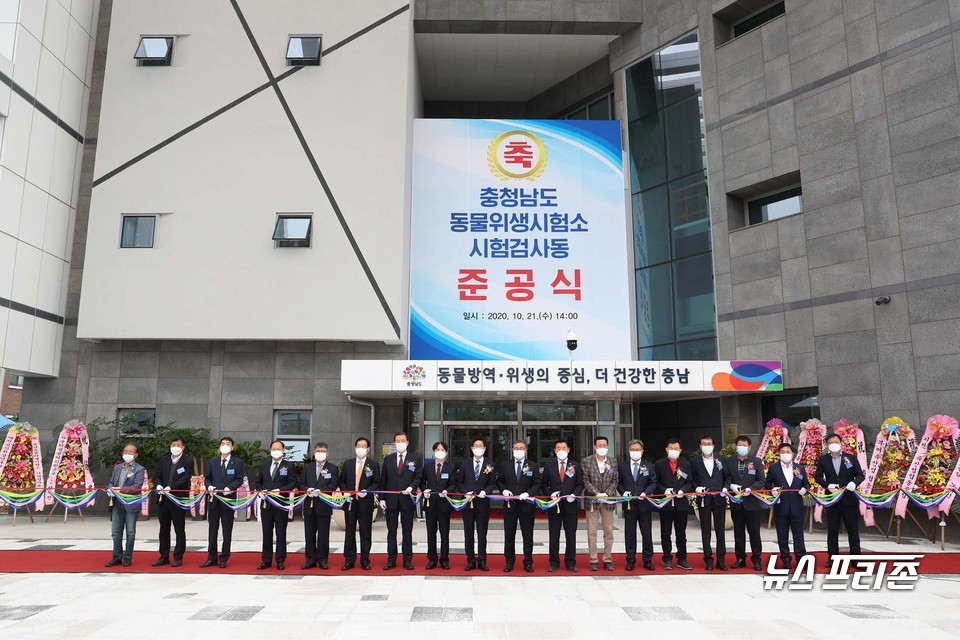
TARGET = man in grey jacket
(127,477)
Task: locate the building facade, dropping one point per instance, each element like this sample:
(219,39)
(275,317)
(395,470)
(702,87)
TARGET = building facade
(792,190)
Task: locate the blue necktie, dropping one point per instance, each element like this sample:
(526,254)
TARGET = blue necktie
(636,470)
(518,472)
(476,471)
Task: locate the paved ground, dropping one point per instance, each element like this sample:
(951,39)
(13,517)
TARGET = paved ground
(492,606)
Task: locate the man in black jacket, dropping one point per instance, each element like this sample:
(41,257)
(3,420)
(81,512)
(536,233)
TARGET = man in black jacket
(637,478)
(223,477)
(476,477)
(788,511)
(173,474)
(674,480)
(278,475)
(710,473)
(318,476)
(562,478)
(360,476)
(837,470)
(439,478)
(401,471)
(519,477)
(746,476)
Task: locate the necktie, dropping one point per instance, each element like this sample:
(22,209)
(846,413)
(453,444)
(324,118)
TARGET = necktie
(476,470)
(636,470)
(273,472)
(400,464)
(439,470)
(223,464)
(518,471)
(359,470)
(563,470)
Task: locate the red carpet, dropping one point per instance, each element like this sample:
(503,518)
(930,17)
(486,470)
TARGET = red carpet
(66,561)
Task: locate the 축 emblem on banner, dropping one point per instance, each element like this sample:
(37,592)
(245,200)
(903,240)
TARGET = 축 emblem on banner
(517,155)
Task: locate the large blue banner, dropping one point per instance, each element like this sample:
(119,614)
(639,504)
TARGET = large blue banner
(518,234)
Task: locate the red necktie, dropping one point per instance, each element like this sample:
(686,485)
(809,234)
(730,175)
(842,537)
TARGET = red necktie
(563,470)
(400,464)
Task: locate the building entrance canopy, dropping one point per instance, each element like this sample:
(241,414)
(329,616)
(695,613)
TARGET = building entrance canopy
(531,378)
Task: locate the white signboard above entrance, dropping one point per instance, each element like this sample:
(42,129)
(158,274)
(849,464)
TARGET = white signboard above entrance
(518,377)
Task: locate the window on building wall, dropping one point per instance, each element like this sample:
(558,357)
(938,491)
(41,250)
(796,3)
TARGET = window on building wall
(775,206)
(292,231)
(599,109)
(758,18)
(16,382)
(792,408)
(137,421)
(293,427)
(743,16)
(154,51)
(304,51)
(138,232)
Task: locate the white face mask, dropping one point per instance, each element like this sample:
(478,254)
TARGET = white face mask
(276,455)
(401,447)
(602,452)
(225,449)
(479,452)
(519,455)
(361,452)
(176,451)
(561,455)
(673,454)
(707,449)
(128,457)
(636,455)
(786,458)
(320,456)
(834,447)
(439,455)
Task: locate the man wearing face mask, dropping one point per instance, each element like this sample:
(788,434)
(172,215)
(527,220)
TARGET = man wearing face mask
(637,478)
(281,476)
(837,470)
(600,478)
(318,476)
(519,477)
(438,480)
(173,474)
(223,477)
(127,477)
(562,478)
(402,472)
(476,479)
(788,511)
(674,479)
(361,476)
(746,476)
(710,473)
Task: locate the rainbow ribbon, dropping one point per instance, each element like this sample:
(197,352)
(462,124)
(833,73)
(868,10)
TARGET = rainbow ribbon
(609,499)
(878,500)
(335,502)
(286,504)
(546,505)
(184,503)
(926,501)
(459,504)
(827,499)
(18,501)
(767,499)
(658,503)
(129,499)
(75,502)
(237,504)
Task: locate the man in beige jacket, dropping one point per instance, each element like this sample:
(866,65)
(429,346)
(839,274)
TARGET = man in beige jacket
(600,479)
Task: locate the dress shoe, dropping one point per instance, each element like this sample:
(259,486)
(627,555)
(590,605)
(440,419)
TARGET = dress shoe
(528,567)
(176,563)
(408,565)
(593,566)
(431,565)
(445,565)
(648,566)
(391,565)
(113,562)
(471,565)
(160,562)
(722,566)
(323,565)
(630,566)
(739,564)
(482,565)
(127,562)
(572,568)
(683,565)
(507,568)
(346,566)
(756,566)
(223,564)
(207,563)
(365,565)
(263,565)
(553,567)
(281,566)
(668,565)
(309,565)
(785,566)
(708,563)
(608,566)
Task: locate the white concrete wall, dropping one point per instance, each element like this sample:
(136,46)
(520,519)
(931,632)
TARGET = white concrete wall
(214,272)
(46,48)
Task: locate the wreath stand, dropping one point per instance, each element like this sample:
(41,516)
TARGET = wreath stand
(66,511)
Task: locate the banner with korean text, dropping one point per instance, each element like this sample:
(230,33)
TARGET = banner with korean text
(518,233)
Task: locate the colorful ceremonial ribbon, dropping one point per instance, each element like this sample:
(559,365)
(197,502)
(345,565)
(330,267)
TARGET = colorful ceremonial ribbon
(766,497)
(6,451)
(277,501)
(891,430)
(187,503)
(72,430)
(18,500)
(658,503)
(74,502)
(237,504)
(333,501)
(878,501)
(939,427)
(827,499)
(927,502)
(546,505)
(129,499)
(608,499)
(459,504)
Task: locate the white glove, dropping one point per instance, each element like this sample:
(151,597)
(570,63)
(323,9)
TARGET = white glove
(507,493)
(700,489)
(747,490)
(383,505)
(571,498)
(443,494)
(627,494)
(680,494)
(482,494)
(643,495)
(775,490)
(803,491)
(469,494)
(211,489)
(426,493)
(158,488)
(314,493)
(555,494)
(736,488)
(723,491)
(407,491)
(832,487)
(601,495)
(524,495)
(362,494)
(668,491)
(851,486)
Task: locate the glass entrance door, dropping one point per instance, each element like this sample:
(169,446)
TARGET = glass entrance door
(499,441)
(540,441)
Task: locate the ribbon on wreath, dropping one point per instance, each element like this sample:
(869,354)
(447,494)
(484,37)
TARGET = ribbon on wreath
(940,428)
(74,430)
(6,452)
(852,441)
(20,500)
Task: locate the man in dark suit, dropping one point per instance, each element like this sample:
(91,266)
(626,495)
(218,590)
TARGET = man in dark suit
(318,476)
(746,475)
(562,478)
(519,477)
(476,478)
(788,511)
(224,476)
(710,473)
(173,474)
(674,479)
(438,479)
(277,475)
(359,476)
(401,472)
(637,478)
(837,470)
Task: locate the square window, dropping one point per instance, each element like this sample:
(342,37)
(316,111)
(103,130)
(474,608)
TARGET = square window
(138,232)
(759,18)
(304,51)
(16,382)
(775,206)
(154,51)
(293,428)
(293,230)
